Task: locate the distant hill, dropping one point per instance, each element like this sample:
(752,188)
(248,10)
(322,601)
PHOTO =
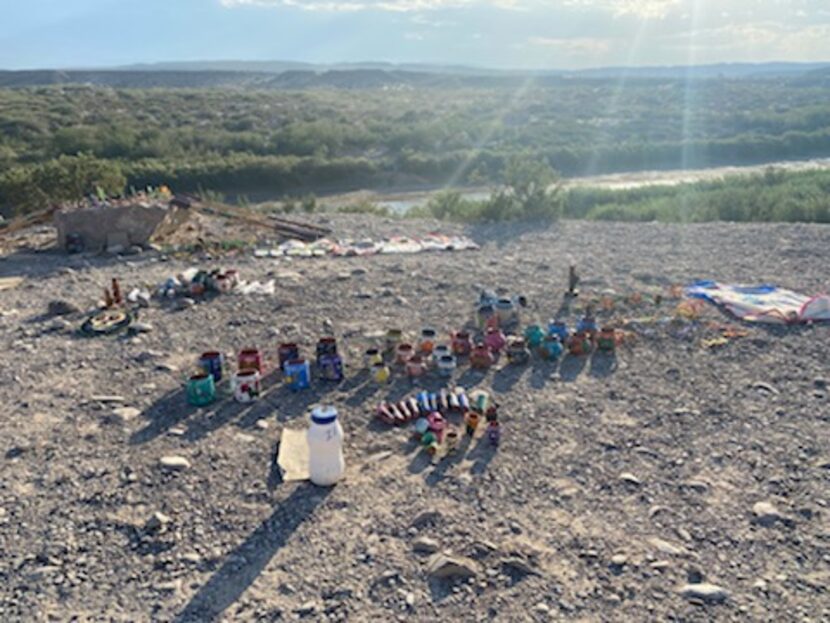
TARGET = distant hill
(293,75)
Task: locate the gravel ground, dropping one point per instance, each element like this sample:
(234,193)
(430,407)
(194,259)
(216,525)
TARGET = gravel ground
(618,481)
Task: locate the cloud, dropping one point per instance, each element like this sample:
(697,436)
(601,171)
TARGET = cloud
(647,9)
(574,46)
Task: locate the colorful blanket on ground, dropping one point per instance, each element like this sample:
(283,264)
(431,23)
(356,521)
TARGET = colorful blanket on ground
(764,303)
(353,248)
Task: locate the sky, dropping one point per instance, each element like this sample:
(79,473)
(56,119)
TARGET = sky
(527,34)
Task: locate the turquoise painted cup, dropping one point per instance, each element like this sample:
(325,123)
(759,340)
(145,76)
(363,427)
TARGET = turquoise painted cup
(201,390)
(535,335)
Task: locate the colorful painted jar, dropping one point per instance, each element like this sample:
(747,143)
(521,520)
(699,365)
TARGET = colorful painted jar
(371,357)
(471,420)
(506,311)
(446,366)
(439,351)
(201,389)
(480,402)
(481,357)
(286,352)
(420,427)
(423,402)
(558,329)
(517,351)
(462,344)
(212,363)
(485,314)
(393,338)
(326,346)
(551,348)
(403,353)
(495,340)
(607,339)
(415,367)
(380,373)
(437,424)
(330,367)
(579,344)
(246,385)
(249,359)
(428,439)
(222,283)
(427,341)
(534,335)
(298,374)
(587,325)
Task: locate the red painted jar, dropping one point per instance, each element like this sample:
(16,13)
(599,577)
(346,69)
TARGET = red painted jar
(481,357)
(403,353)
(462,344)
(249,359)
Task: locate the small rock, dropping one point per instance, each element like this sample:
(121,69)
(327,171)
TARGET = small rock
(819,580)
(699,486)
(820,383)
(542,608)
(765,387)
(619,560)
(661,565)
(629,478)
(760,584)
(410,600)
(306,609)
(766,514)
(448,566)
(115,249)
(126,413)
(262,424)
(134,250)
(665,547)
(157,522)
(425,545)
(141,327)
(185,303)
(105,398)
(708,593)
(244,438)
(174,463)
(61,308)
(359,271)
(344,276)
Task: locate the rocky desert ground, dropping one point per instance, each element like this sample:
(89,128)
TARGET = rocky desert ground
(670,482)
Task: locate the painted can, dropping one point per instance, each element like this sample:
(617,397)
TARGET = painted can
(286,352)
(423,402)
(587,325)
(495,340)
(330,367)
(403,353)
(415,367)
(534,335)
(393,338)
(484,315)
(420,427)
(579,344)
(506,311)
(471,420)
(380,373)
(481,357)
(298,374)
(326,346)
(559,329)
(440,350)
(212,363)
(428,439)
(517,352)
(437,424)
(446,366)
(462,344)
(607,339)
(551,348)
(481,402)
(246,385)
(427,341)
(249,359)
(371,357)
(201,389)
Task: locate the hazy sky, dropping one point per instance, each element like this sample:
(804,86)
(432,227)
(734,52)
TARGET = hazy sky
(496,33)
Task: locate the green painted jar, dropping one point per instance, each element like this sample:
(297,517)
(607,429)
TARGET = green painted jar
(201,389)
(534,335)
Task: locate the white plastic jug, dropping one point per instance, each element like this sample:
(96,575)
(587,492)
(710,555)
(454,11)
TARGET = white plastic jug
(325,447)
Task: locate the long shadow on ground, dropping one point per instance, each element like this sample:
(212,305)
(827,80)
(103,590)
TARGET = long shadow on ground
(234,577)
